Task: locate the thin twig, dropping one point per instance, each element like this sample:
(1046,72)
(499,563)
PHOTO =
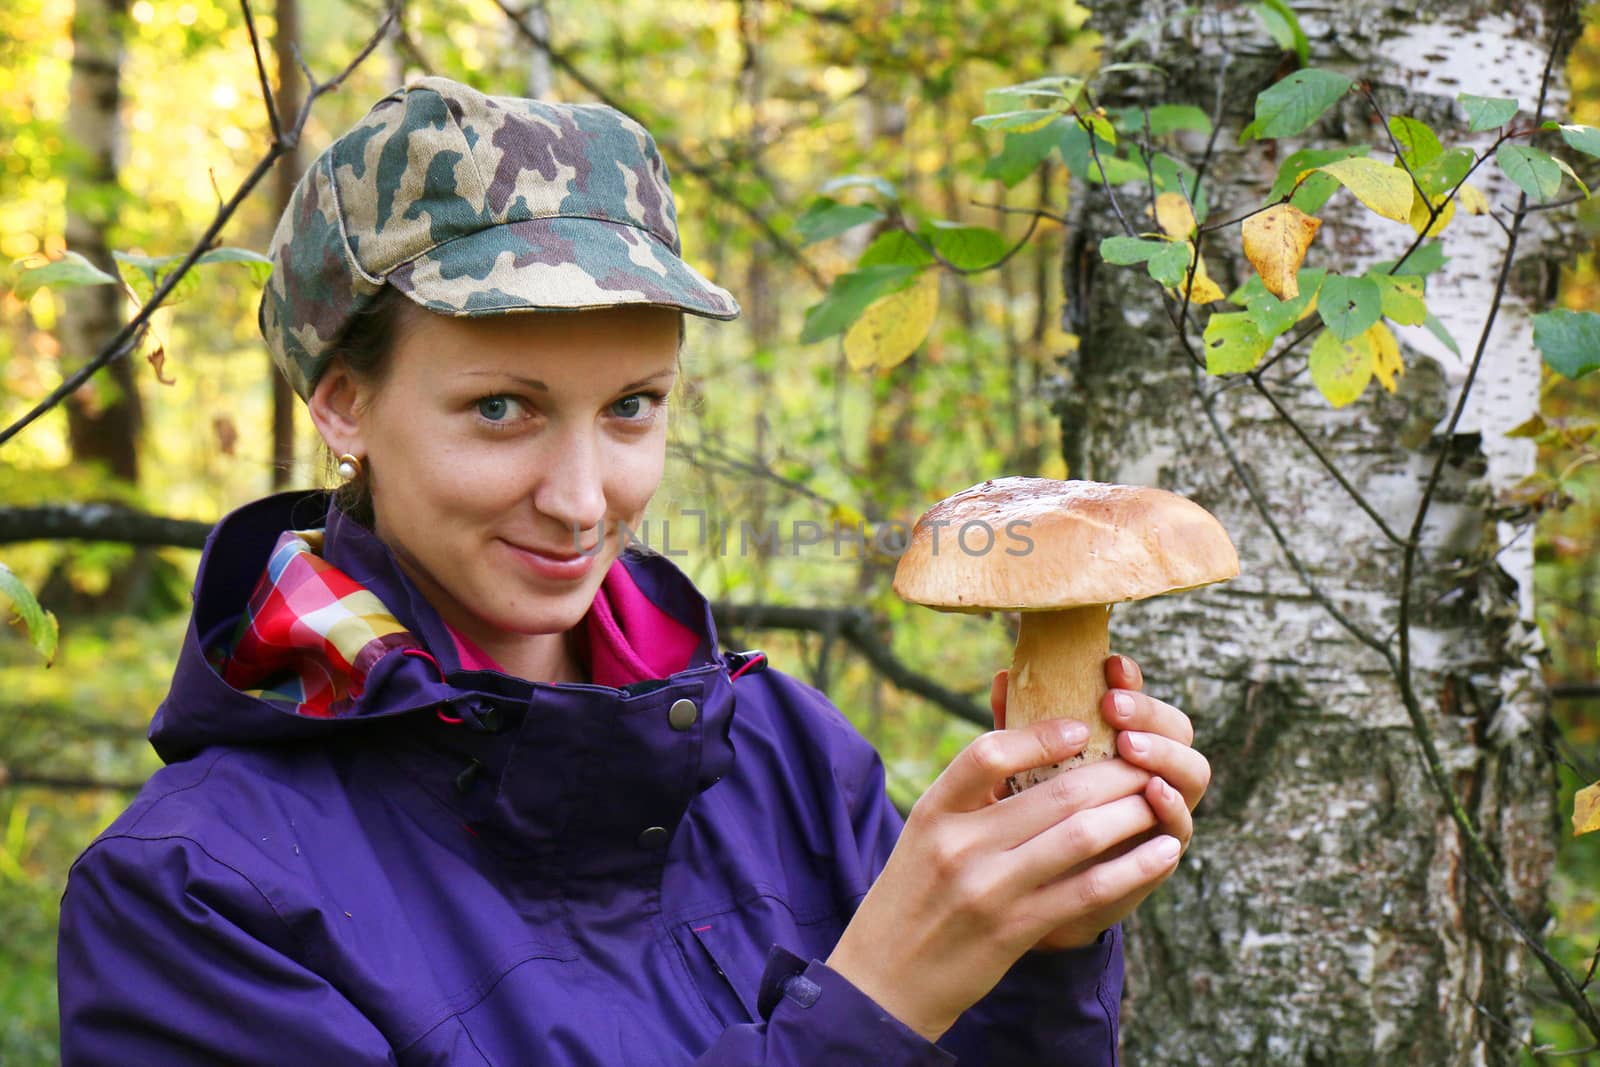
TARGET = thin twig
(681,159)
(267,98)
(128,337)
(1327,463)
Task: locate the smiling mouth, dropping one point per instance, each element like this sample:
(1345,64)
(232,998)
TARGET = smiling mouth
(565,555)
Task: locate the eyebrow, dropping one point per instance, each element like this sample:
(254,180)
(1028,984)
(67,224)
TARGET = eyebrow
(536,384)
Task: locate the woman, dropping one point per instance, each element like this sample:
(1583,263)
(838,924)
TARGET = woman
(462,782)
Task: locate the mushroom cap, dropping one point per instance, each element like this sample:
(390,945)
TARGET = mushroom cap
(1060,545)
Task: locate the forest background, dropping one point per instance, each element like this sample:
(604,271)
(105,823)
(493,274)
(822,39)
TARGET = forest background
(761,106)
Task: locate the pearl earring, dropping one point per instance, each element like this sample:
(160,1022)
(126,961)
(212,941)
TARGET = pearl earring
(349,467)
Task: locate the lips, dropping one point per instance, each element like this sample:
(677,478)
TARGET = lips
(559,565)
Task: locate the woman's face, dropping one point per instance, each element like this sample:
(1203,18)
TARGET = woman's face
(503,453)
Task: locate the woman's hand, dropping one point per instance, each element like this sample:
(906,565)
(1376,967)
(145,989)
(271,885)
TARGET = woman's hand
(978,878)
(1154,737)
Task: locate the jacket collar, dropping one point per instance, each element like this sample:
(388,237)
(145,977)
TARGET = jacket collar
(531,767)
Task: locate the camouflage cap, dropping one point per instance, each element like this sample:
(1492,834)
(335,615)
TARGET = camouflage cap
(475,205)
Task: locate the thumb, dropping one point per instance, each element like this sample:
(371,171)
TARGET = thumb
(997,697)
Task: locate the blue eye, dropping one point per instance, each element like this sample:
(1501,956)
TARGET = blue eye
(635,406)
(495,408)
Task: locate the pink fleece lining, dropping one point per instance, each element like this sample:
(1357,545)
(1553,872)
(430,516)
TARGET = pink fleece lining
(629,638)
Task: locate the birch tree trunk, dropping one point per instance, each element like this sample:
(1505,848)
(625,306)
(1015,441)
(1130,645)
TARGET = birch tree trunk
(1326,913)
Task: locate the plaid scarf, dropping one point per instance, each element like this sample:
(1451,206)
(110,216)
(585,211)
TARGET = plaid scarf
(310,634)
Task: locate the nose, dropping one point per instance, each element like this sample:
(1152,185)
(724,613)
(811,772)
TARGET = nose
(572,491)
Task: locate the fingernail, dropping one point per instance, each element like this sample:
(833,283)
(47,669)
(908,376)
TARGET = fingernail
(1073,732)
(1168,848)
(1128,668)
(1137,744)
(1123,702)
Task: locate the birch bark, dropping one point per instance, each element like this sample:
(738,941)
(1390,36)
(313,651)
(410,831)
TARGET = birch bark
(1325,913)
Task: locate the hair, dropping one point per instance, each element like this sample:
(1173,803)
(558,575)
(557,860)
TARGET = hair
(363,347)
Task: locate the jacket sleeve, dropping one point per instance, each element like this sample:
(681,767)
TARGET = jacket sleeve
(168,956)
(1054,1009)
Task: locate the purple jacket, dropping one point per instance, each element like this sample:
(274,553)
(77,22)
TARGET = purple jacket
(467,868)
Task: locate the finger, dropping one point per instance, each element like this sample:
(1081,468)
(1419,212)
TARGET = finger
(997,697)
(1111,889)
(1126,709)
(1170,809)
(1040,807)
(969,782)
(1081,838)
(1123,673)
(1181,766)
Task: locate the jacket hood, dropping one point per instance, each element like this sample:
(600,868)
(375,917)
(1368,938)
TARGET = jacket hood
(305,626)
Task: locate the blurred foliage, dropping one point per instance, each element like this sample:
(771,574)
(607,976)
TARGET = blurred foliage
(757,104)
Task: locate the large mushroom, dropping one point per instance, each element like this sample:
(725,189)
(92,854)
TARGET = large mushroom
(1061,553)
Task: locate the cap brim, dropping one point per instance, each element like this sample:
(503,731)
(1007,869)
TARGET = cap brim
(557,264)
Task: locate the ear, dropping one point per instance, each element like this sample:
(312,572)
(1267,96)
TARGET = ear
(336,404)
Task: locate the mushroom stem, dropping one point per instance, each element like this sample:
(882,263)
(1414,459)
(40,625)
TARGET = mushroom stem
(1058,672)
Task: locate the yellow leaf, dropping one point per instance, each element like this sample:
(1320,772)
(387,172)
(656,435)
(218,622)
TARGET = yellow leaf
(1054,466)
(1473,202)
(1385,189)
(1341,369)
(1174,216)
(1202,290)
(1419,215)
(1586,810)
(1386,361)
(893,326)
(842,514)
(1275,243)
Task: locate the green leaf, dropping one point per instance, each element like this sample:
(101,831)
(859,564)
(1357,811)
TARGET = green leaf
(967,247)
(1487,112)
(1124,251)
(826,217)
(1234,343)
(1021,121)
(850,294)
(1445,171)
(144,274)
(878,185)
(1021,153)
(1566,169)
(1535,172)
(1297,101)
(1435,327)
(260,266)
(1163,119)
(71,269)
(1425,260)
(1066,88)
(1419,145)
(1118,171)
(894,247)
(1569,340)
(1341,369)
(1585,139)
(1349,305)
(1402,299)
(1170,265)
(1308,159)
(1284,28)
(16,599)
(1274,317)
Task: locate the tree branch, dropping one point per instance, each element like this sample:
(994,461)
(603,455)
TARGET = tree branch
(128,337)
(112,522)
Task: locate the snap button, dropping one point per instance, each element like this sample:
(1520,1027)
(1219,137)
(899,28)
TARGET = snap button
(682,714)
(653,838)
